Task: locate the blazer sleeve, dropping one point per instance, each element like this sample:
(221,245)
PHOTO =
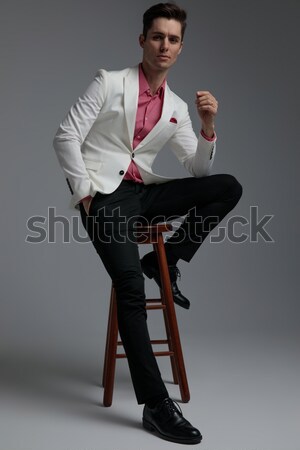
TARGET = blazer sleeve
(195,154)
(72,133)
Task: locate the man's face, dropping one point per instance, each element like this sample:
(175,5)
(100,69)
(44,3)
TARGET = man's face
(162,44)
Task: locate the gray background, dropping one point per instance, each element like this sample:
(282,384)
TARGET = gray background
(240,338)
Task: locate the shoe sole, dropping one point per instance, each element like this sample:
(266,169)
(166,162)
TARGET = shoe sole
(150,427)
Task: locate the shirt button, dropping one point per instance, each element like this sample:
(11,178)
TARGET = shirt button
(121,172)
(139,137)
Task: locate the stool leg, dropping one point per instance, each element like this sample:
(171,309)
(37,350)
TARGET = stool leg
(170,341)
(171,318)
(167,327)
(110,351)
(104,373)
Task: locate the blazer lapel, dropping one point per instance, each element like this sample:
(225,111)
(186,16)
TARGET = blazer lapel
(131,94)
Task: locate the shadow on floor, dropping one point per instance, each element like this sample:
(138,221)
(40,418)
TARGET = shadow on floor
(66,386)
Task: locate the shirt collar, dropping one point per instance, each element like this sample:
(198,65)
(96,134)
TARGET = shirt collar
(144,85)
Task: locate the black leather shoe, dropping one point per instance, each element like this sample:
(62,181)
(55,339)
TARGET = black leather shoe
(151,270)
(167,420)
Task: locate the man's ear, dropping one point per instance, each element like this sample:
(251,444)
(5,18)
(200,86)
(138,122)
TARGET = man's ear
(141,40)
(180,48)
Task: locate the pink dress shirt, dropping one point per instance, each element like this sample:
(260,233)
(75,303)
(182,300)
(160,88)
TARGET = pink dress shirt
(148,114)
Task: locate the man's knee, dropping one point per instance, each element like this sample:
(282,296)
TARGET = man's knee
(232,187)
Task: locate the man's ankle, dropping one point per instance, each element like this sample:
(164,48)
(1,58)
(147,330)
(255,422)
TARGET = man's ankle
(152,402)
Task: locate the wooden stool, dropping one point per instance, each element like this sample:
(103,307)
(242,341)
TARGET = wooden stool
(148,235)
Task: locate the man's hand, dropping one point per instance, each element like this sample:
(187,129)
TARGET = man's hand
(87,203)
(207,107)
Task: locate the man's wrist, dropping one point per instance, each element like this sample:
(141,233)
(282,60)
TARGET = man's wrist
(208,131)
(208,135)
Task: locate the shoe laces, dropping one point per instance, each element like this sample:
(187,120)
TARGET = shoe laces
(172,406)
(176,272)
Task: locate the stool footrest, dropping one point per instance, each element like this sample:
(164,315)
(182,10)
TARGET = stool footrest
(162,353)
(156,306)
(166,353)
(159,341)
(153,341)
(153,300)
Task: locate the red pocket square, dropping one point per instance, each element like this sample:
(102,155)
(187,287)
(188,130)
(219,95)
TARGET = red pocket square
(173,120)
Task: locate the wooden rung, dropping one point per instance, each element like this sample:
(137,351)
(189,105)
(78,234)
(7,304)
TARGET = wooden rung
(164,353)
(156,307)
(159,341)
(153,300)
(153,341)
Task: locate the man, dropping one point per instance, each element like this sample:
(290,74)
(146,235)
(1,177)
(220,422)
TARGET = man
(106,146)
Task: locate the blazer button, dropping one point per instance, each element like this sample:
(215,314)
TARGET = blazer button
(121,172)
(132,156)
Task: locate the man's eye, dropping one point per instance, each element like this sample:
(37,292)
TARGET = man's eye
(174,40)
(156,38)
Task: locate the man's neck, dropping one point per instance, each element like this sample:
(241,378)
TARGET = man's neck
(155,78)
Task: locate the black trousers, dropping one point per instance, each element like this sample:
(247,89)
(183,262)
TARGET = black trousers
(110,225)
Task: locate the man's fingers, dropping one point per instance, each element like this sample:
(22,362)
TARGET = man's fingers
(207,103)
(206,97)
(200,93)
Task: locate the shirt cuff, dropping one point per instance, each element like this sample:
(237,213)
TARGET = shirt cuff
(210,139)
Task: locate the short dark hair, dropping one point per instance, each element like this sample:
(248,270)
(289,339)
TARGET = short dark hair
(167,10)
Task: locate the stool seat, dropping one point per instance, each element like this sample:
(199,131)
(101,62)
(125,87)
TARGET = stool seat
(148,234)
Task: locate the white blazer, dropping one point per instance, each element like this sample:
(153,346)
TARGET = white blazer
(94,141)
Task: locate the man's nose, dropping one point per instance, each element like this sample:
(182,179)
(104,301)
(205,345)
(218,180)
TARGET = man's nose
(165,44)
